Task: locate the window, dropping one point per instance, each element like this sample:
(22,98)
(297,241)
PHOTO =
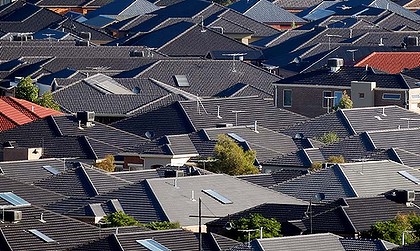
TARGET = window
(391,96)
(152,245)
(287,98)
(326,100)
(215,195)
(41,235)
(361,95)
(338,95)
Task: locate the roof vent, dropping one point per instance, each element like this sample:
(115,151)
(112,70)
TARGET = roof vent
(411,41)
(20,37)
(137,54)
(335,64)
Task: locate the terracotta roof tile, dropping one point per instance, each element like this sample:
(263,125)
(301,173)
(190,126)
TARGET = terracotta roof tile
(15,112)
(392,62)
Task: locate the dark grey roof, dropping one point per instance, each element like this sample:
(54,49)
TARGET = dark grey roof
(136,176)
(330,181)
(265,11)
(127,8)
(290,4)
(88,143)
(30,171)
(186,117)
(60,228)
(271,179)
(407,158)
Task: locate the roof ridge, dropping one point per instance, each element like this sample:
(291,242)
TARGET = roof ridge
(177,36)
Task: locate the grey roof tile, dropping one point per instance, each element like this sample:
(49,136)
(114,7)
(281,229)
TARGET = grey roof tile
(271,179)
(127,8)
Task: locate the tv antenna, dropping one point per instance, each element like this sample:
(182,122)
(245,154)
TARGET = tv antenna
(329,39)
(408,121)
(233,55)
(236,115)
(363,160)
(352,51)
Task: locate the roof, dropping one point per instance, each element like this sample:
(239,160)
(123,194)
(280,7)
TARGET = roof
(125,8)
(185,117)
(88,143)
(323,241)
(15,112)
(265,11)
(177,203)
(400,61)
(271,179)
(345,75)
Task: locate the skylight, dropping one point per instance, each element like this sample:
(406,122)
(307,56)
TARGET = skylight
(409,177)
(236,137)
(215,195)
(152,245)
(97,210)
(14,199)
(51,170)
(181,80)
(40,235)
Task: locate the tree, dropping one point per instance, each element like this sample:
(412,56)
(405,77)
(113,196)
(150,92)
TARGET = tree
(232,159)
(107,164)
(316,166)
(392,230)
(271,227)
(345,102)
(47,100)
(336,159)
(27,90)
(120,219)
(328,138)
(162,225)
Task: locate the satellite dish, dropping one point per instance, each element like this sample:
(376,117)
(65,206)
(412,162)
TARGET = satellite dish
(149,134)
(299,136)
(228,226)
(136,90)
(297,60)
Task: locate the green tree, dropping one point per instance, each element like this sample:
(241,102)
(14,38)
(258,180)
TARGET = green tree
(120,219)
(271,227)
(345,102)
(336,159)
(107,164)
(392,230)
(47,100)
(328,138)
(232,159)
(162,225)
(27,90)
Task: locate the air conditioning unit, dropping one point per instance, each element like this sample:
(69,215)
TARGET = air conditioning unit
(410,196)
(86,116)
(411,41)
(11,215)
(335,62)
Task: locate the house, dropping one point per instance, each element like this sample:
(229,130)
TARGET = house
(324,88)
(267,12)
(325,241)
(79,137)
(15,112)
(185,117)
(79,6)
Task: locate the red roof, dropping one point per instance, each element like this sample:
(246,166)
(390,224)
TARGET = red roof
(14,112)
(391,62)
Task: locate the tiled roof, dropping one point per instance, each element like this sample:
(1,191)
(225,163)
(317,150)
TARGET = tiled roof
(400,61)
(126,8)
(19,112)
(345,75)
(271,179)
(265,11)
(30,171)
(136,176)
(61,229)
(291,4)
(330,181)
(178,205)
(185,117)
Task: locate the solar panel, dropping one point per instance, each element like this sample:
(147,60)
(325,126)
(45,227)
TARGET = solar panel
(236,137)
(40,235)
(14,199)
(409,177)
(181,80)
(215,195)
(152,245)
(51,170)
